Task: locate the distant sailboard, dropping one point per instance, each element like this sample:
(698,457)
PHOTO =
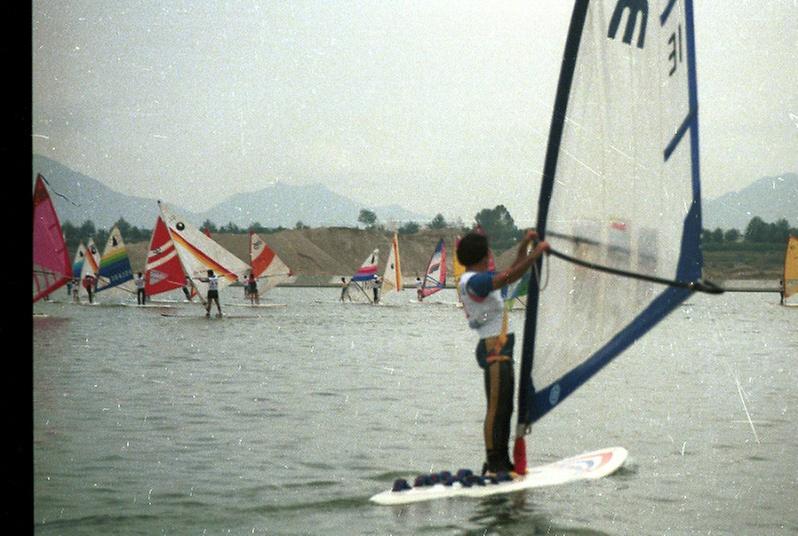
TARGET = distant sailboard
(51,268)
(435,274)
(199,253)
(790,276)
(114,269)
(267,267)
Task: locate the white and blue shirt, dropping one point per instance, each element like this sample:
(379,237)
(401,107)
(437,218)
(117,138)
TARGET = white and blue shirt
(483,306)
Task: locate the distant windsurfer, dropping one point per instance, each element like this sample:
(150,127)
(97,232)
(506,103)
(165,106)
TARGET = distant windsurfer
(376,286)
(483,304)
(89,285)
(252,289)
(419,286)
(141,297)
(213,293)
(345,290)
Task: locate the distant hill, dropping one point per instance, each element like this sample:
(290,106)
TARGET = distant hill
(314,205)
(96,202)
(770,198)
(278,205)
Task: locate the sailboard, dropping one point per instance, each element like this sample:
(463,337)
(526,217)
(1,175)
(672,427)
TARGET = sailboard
(790,276)
(114,269)
(620,192)
(464,483)
(435,274)
(162,271)
(51,267)
(364,277)
(267,267)
(392,277)
(620,198)
(199,253)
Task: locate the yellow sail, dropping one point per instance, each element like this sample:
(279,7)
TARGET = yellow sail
(791,267)
(392,279)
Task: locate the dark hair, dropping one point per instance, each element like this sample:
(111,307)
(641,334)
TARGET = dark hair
(472,248)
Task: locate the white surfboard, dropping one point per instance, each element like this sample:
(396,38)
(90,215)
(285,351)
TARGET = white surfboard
(588,466)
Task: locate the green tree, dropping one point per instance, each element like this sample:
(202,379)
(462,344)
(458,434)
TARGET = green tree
(757,230)
(87,230)
(498,224)
(300,225)
(367,218)
(408,228)
(438,222)
(717,235)
(210,226)
(731,236)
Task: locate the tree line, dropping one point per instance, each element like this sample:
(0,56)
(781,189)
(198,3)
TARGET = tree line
(756,232)
(496,222)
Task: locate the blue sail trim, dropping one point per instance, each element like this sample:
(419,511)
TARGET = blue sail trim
(526,390)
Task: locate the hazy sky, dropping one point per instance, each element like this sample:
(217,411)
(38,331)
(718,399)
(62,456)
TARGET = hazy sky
(437,106)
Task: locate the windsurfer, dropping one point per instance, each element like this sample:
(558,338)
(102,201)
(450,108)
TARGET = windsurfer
(419,285)
(89,284)
(252,289)
(213,293)
(376,286)
(480,291)
(345,290)
(141,297)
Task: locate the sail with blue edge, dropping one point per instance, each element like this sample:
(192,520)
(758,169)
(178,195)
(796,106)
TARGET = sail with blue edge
(620,189)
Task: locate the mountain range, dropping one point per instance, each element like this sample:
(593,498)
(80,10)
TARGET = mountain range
(78,198)
(770,198)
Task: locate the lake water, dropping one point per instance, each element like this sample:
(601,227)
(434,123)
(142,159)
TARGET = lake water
(288,421)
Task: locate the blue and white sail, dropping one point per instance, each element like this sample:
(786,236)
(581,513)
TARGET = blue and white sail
(620,189)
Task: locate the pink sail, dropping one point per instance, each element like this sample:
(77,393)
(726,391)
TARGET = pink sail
(51,266)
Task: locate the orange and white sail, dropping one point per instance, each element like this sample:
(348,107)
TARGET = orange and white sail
(392,278)
(198,253)
(267,267)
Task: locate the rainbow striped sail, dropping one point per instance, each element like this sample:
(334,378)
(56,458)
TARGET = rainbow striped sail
(114,264)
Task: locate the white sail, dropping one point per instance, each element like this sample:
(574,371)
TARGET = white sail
(620,189)
(199,253)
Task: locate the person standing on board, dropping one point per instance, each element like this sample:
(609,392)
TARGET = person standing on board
(483,304)
(187,288)
(345,290)
(252,289)
(376,286)
(75,290)
(88,284)
(141,298)
(213,294)
(419,285)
